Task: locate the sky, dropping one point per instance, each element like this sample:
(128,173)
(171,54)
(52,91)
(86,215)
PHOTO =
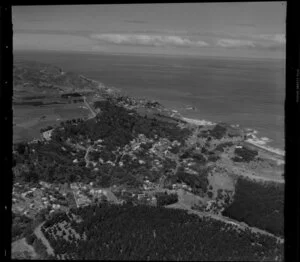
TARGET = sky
(246,29)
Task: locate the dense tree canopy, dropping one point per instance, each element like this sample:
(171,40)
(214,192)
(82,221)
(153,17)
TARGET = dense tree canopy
(129,232)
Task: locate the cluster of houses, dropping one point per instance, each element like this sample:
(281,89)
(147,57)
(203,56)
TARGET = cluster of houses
(183,186)
(85,194)
(29,201)
(138,197)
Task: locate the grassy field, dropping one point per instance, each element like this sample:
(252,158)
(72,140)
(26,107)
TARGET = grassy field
(28,120)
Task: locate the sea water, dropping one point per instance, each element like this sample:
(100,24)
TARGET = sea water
(249,93)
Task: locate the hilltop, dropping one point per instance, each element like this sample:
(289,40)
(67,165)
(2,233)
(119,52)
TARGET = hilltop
(127,151)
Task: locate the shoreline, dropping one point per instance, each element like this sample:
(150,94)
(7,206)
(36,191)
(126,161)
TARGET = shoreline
(200,122)
(254,140)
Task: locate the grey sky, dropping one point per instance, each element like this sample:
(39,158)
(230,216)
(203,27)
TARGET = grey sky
(209,29)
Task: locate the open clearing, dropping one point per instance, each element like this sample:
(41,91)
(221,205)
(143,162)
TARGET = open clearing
(28,120)
(21,250)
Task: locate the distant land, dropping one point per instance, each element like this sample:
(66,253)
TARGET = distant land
(99,174)
(248,92)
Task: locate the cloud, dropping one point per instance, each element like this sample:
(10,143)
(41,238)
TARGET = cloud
(136,21)
(235,43)
(246,25)
(148,40)
(277,38)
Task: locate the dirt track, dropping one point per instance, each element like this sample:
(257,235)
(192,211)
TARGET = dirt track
(39,234)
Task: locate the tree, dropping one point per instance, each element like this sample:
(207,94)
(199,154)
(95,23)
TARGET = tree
(21,147)
(30,238)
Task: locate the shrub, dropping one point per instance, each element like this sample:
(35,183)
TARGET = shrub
(220,147)
(244,154)
(30,238)
(165,199)
(213,158)
(40,248)
(218,131)
(210,194)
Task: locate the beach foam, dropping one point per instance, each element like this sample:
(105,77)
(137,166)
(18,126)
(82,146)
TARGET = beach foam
(198,122)
(262,144)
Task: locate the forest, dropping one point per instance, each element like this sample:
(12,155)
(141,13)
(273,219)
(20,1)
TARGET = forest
(116,126)
(259,205)
(126,232)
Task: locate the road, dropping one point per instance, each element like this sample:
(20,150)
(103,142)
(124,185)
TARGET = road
(87,161)
(39,234)
(89,107)
(111,196)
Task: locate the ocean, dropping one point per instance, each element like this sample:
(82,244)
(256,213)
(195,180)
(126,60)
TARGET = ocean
(249,93)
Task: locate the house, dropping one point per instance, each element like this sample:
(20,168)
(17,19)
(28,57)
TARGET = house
(74,186)
(45,184)
(141,196)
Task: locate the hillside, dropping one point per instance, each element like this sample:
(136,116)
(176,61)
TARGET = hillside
(137,152)
(33,77)
(151,233)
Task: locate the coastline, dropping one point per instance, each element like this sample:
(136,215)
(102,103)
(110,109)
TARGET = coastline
(254,139)
(200,122)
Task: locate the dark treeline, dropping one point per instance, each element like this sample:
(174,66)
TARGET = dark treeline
(126,232)
(67,95)
(258,205)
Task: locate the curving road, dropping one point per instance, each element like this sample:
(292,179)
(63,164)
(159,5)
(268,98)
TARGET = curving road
(39,234)
(89,107)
